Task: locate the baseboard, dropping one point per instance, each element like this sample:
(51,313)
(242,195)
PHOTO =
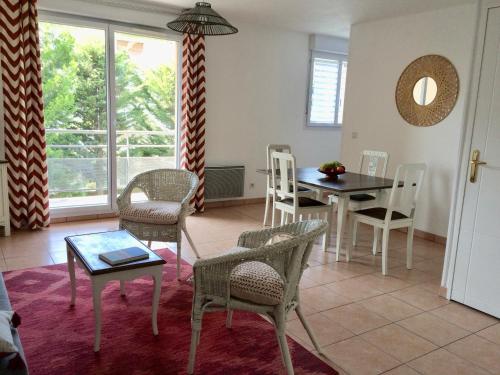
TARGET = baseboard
(427,236)
(234,202)
(68,219)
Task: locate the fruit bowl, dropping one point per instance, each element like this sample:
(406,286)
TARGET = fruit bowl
(331,174)
(332,168)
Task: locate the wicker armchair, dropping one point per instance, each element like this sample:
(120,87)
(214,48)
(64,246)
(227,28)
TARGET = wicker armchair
(163,216)
(256,277)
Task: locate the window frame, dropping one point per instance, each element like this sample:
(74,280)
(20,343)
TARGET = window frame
(341,58)
(110,27)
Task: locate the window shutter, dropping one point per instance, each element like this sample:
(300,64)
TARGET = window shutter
(324,90)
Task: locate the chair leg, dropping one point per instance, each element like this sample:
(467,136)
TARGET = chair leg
(266,210)
(190,242)
(326,237)
(350,229)
(355,233)
(376,236)
(385,248)
(229,319)
(179,246)
(308,329)
(283,216)
(285,353)
(195,337)
(149,243)
(409,247)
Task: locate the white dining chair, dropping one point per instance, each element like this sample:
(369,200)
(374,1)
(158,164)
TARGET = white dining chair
(371,163)
(399,213)
(286,197)
(302,191)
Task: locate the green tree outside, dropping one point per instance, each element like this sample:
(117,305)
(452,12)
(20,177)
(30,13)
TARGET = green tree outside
(74,91)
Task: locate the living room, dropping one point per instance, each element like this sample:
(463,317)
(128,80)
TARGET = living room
(243,155)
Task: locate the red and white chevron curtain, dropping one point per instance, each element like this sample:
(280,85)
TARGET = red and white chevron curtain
(193,112)
(23,114)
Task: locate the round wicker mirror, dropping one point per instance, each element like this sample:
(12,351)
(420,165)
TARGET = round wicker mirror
(427,90)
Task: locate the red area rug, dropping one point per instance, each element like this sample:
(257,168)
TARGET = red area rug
(58,339)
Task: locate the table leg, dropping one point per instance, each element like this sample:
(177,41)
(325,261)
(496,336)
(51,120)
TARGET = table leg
(343,201)
(97,287)
(71,270)
(156,299)
(122,288)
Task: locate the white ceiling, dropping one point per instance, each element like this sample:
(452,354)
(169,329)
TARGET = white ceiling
(331,17)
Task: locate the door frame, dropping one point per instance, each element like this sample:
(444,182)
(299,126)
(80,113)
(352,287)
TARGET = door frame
(110,27)
(467,131)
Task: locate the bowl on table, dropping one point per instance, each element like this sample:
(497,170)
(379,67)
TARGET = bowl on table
(331,173)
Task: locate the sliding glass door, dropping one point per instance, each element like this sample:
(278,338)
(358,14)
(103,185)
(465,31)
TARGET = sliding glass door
(76,116)
(110,97)
(146,104)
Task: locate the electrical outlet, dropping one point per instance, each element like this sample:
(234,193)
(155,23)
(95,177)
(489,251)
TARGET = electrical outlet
(252,185)
(354,135)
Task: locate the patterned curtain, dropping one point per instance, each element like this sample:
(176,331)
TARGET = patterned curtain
(23,114)
(193,112)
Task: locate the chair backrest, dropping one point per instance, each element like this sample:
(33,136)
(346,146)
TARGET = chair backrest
(166,184)
(406,189)
(288,257)
(283,175)
(269,150)
(373,163)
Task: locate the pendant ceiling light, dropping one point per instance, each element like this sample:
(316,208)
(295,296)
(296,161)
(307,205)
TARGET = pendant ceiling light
(202,20)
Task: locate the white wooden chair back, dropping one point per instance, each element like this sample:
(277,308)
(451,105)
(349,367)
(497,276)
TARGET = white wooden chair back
(283,176)
(373,163)
(275,148)
(404,198)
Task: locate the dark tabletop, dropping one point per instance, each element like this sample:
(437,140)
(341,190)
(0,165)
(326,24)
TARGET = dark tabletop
(87,248)
(346,183)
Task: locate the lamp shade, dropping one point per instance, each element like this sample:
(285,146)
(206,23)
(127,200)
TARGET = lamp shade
(202,20)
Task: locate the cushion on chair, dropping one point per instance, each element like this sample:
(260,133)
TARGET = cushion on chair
(362,197)
(236,249)
(154,212)
(304,202)
(379,213)
(278,237)
(256,282)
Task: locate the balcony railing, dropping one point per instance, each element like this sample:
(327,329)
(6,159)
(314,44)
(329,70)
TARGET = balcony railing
(82,179)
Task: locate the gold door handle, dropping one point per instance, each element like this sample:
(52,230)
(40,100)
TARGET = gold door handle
(474,162)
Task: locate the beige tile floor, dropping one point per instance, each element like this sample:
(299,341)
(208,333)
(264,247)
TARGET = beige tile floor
(365,322)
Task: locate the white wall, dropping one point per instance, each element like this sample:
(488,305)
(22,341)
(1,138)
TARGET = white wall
(257,94)
(379,52)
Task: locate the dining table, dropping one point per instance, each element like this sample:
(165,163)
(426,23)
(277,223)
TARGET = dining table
(343,186)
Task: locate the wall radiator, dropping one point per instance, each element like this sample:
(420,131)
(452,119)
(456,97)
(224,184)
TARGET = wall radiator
(224,182)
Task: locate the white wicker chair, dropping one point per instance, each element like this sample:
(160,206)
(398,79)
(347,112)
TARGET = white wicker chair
(270,272)
(163,216)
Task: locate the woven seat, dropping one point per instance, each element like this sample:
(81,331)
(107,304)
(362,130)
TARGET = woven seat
(154,212)
(256,282)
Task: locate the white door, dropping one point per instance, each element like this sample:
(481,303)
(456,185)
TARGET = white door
(476,279)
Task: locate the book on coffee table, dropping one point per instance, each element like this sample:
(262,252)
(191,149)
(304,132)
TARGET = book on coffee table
(122,256)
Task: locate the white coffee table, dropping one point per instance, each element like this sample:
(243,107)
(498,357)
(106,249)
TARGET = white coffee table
(85,249)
